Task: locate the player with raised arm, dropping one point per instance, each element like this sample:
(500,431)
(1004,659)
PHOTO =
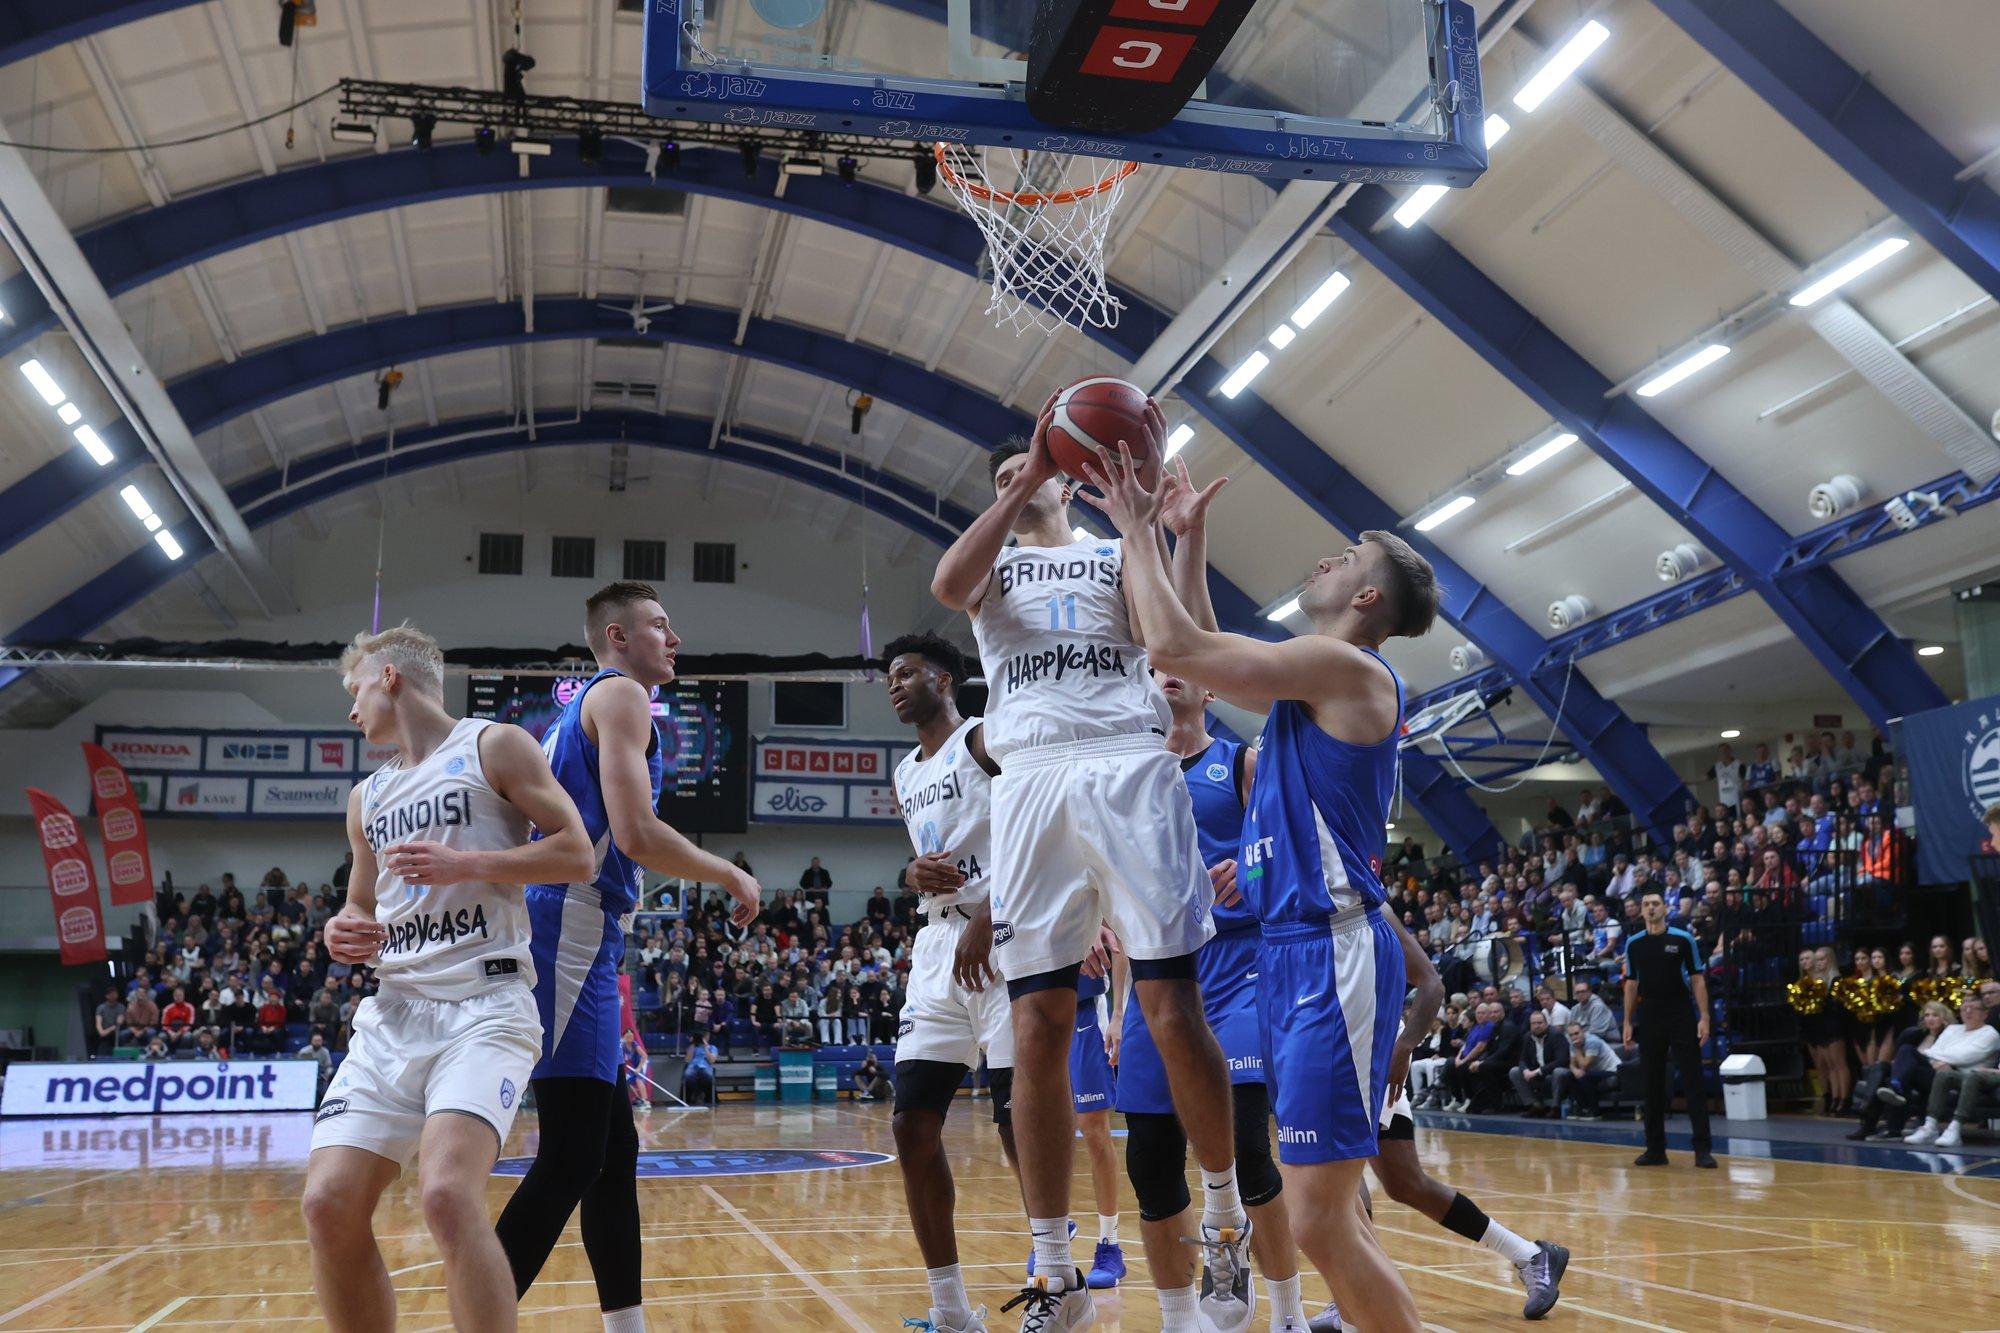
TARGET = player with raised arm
(439,1057)
(1091,823)
(605,750)
(955,1007)
(1331,969)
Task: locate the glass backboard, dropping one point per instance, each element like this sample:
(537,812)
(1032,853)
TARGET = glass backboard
(1337,90)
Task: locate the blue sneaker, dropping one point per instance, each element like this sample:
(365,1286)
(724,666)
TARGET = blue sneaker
(1031,1249)
(1107,1266)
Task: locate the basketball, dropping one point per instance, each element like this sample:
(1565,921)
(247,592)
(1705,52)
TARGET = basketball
(1097,413)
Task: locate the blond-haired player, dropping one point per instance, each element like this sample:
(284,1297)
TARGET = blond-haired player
(439,1057)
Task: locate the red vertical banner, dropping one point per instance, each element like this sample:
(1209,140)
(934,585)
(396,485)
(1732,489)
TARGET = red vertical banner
(72,880)
(128,861)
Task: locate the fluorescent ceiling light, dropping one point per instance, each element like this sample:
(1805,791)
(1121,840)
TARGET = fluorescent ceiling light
(1458,504)
(802,166)
(529,146)
(135,502)
(44,383)
(1283,610)
(1424,197)
(1390,825)
(99,451)
(1529,462)
(1848,272)
(1315,305)
(152,522)
(1239,378)
(1931,650)
(1561,65)
(1673,375)
(1281,337)
(353,131)
(168,544)
(1178,438)
(1731,734)
(70,414)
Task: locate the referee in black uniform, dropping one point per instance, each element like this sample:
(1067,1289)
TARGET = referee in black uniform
(1666,1003)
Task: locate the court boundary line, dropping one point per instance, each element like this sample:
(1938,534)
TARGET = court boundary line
(75,1282)
(783,1256)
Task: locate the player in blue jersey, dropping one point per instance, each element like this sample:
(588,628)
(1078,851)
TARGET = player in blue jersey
(605,751)
(1218,775)
(1093,1082)
(1331,974)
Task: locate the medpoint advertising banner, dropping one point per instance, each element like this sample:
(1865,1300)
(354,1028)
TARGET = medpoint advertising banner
(128,861)
(79,915)
(200,774)
(37,1089)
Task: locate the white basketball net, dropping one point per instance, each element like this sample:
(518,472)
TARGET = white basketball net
(1046,217)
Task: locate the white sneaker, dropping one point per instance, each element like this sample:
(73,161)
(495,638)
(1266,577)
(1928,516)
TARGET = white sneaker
(1228,1295)
(934,1322)
(1950,1138)
(1924,1133)
(1063,1310)
(1327,1320)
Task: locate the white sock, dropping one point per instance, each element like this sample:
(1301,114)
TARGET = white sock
(1107,1227)
(1052,1257)
(1286,1302)
(1506,1244)
(1221,1206)
(631,1319)
(948,1293)
(1179,1312)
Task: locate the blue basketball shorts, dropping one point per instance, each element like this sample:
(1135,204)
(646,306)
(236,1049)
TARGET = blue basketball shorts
(1093,1083)
(1227,970)
(577,948)
(1331,997)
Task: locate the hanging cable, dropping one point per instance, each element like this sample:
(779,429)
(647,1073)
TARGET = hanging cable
(327,91)
(1555,725)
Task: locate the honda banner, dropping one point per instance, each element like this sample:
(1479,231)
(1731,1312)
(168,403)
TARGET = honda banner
(128,862)
(72,881)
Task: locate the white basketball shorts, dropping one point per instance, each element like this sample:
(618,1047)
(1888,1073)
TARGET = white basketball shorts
(942,1020)
(412,1058)
(1090,832)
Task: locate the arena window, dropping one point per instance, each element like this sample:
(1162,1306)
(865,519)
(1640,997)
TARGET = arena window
(499,552)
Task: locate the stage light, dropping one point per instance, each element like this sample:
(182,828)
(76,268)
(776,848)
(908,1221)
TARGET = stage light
(422,126)
(485,140)
(353,131)
(749,151)
(926,174)
(848,169)
(526,145)
(589,145)
(514,67)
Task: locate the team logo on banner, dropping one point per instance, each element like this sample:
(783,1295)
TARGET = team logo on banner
(1982,764)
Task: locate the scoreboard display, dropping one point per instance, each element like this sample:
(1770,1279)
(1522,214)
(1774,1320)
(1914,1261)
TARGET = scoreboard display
(704,730)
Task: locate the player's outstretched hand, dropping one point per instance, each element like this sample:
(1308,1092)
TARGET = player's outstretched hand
(1182,507)
(1041,464)
(935,872)
(1123,495)
(353,938)
(1222,875)
(971,965)
(428,863)
(1097,962)
(747,892)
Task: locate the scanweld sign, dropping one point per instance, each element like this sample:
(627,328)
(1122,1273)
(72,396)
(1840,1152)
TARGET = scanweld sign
(300,796)
(36,1089)
(239,774)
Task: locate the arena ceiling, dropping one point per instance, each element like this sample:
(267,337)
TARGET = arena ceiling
(1682,180)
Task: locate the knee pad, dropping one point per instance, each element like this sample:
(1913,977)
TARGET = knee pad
(1257,1178)
(1000,1082)
(1156,1161)
(927,1085)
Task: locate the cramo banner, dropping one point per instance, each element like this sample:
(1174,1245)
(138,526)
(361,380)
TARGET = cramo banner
(35,1089)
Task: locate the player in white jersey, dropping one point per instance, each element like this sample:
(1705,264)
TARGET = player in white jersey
(956,1006)
(439,1057)
(1091,824)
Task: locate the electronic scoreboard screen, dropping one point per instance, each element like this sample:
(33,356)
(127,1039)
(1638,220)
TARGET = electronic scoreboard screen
(704,733)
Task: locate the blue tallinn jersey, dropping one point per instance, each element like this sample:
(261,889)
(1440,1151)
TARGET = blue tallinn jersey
(1312,835)
(1212,783)
(574,760)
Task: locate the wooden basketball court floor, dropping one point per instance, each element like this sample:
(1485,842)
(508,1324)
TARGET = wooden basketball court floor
(177,1224)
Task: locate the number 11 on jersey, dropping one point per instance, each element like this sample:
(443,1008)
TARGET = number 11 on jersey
(1062,611)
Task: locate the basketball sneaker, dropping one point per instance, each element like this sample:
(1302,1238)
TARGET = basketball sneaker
(1949,1136)
(1107,1265)
(1062,1310)
(1327,1320)
(935,1322)
(1228,1296)
(1542,1276)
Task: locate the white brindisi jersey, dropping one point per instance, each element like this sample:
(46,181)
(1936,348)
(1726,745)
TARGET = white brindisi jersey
(947,805)
(457,940)
(1056,641)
